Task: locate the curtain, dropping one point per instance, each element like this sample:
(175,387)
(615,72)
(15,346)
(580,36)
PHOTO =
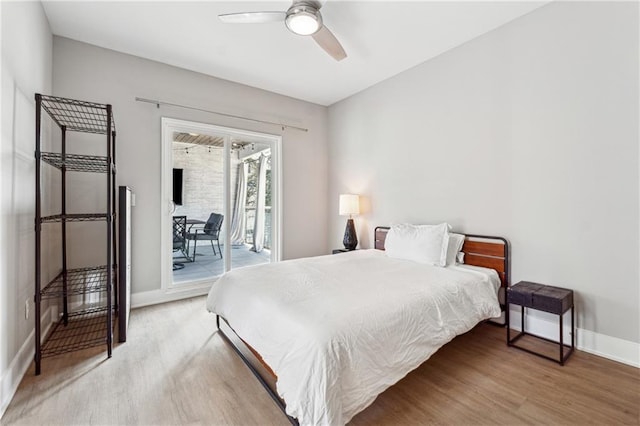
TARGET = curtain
(258,228)
(238,224)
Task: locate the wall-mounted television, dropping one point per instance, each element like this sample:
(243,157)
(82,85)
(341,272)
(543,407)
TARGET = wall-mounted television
(177,187)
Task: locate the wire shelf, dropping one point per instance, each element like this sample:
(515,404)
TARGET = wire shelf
(76,217)
(87,325)
(76,162)
(79,116)
(79,281)
(84,329)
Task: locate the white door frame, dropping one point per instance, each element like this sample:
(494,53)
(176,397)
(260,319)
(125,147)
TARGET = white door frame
(170,125)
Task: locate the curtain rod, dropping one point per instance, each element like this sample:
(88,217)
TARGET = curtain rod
(158,103)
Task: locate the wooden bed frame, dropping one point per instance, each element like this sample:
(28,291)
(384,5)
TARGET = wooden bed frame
(479,250)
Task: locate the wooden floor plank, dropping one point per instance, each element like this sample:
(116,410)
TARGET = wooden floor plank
(176,369)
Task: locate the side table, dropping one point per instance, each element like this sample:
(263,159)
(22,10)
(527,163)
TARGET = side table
(336,251)
(554,300)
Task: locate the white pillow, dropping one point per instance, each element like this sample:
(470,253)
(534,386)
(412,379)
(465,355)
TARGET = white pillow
(421,243)
(456,241)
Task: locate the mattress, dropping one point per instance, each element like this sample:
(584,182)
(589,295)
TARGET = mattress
(338,330)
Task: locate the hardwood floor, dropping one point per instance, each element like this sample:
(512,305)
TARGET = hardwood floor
(175,369)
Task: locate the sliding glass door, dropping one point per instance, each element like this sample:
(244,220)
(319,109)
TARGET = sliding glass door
(221,193)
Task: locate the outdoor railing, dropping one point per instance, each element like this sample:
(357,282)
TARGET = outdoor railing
(249,217)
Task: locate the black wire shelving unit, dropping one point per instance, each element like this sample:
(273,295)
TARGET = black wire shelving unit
(89,324)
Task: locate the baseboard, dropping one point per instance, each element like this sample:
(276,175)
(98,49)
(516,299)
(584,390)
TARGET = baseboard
(609,347)
(154,297)
(11,378)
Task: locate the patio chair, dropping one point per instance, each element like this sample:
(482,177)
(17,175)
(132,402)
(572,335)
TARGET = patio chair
(180,242)
(211,232)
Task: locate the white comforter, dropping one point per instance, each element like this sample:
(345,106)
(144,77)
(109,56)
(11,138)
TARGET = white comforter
(340,329)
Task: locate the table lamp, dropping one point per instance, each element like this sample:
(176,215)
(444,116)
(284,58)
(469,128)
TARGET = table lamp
(349,205)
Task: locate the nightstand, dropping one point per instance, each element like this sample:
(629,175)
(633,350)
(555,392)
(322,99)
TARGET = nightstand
(555,300)
(336,251)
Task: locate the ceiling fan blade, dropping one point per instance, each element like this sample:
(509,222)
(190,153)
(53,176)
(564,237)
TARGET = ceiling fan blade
(329,43)
(252,17)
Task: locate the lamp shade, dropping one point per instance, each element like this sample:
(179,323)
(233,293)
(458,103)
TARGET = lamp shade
(349,204)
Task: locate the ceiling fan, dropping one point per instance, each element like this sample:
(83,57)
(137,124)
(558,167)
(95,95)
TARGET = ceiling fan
(302,18)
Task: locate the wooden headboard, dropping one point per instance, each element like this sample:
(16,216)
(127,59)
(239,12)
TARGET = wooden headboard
(479,250)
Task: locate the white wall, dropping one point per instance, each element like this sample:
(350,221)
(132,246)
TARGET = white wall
(529,132)
(26,69)
(90,73)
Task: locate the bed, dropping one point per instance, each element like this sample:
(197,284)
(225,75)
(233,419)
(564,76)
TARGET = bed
(326,335)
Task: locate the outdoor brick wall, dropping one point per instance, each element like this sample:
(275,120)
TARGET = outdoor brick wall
(202,191)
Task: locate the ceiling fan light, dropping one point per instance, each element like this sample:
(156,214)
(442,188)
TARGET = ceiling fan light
(303,20)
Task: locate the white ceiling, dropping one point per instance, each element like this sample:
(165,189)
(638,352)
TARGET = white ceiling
(382,38)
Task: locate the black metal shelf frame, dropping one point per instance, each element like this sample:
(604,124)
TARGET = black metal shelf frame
(79,116)
(75,217)
(84,327)
(76,162)
(92,279)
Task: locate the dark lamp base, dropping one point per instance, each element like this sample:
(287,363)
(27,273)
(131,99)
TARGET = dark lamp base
(350,240)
